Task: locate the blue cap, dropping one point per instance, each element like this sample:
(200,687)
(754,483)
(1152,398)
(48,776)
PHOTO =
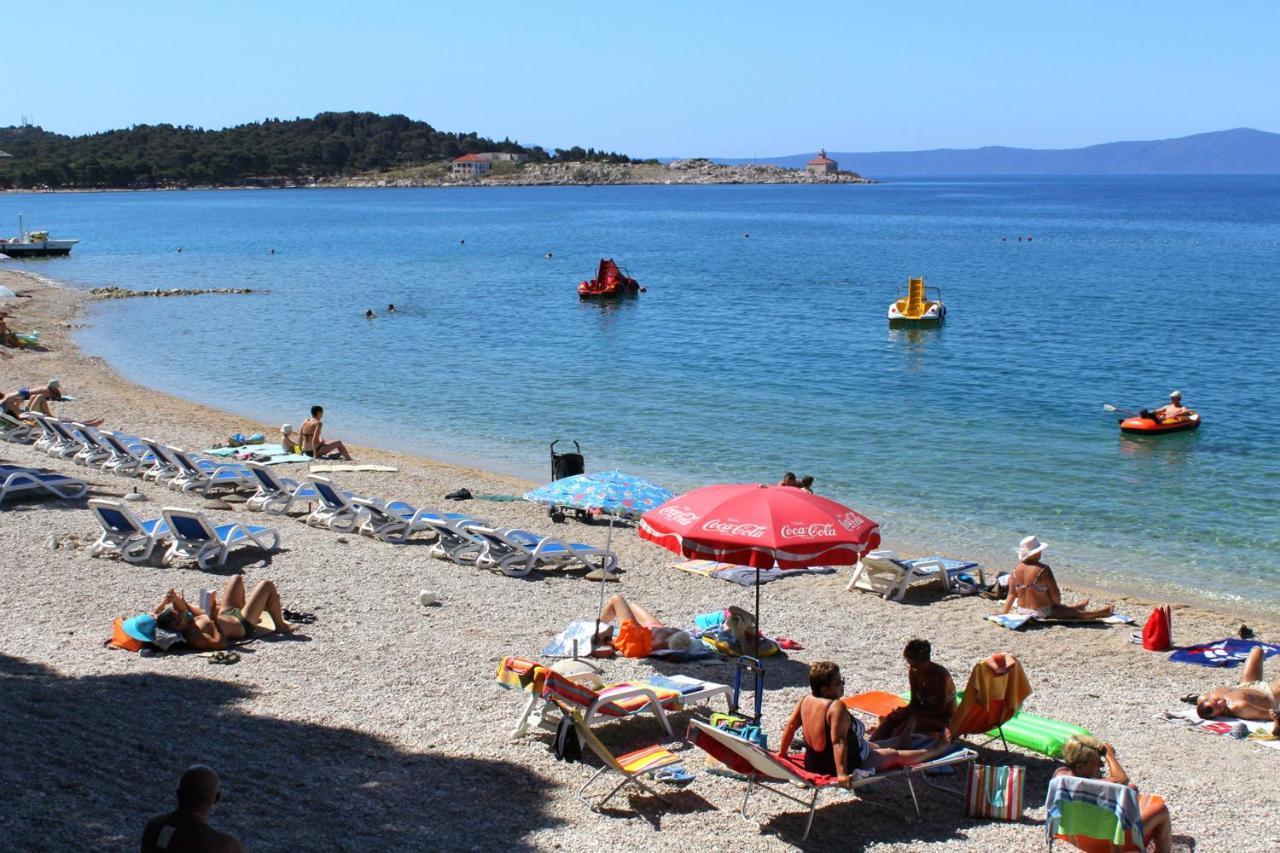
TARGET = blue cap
(141,627)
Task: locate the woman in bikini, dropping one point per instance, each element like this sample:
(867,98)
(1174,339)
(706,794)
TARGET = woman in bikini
(315,446)
(1084,756)
(1034,590)
(221,626)
(835,741)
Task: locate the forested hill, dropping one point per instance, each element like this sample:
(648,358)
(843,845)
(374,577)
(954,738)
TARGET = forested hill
(331,144)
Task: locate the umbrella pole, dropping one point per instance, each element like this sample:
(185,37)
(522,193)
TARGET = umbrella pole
(757,631)
(608,546)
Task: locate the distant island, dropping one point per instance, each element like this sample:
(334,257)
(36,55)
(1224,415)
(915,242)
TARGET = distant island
(338,149)
(1242,151)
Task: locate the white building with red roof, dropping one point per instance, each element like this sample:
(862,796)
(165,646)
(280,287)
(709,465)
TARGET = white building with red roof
(474,165)
(822,165)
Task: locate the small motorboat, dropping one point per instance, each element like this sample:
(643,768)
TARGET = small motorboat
(1145,425)
(34,244)
(610,283)
(916,308)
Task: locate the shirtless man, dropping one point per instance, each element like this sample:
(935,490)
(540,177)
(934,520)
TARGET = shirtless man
(315,446)
(187,827)
(1034,589)
(933,696)
(1252,699)
(221,626)
(617,609)
(1175,409)
(38,401)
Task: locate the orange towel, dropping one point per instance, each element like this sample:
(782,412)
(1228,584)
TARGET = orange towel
(996,690)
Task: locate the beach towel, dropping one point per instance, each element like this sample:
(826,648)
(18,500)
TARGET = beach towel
(1017,621)
(265,454)
(745,575)
(1110,811)
(582,630)
(1224,653)
(350,467)
(1233,727)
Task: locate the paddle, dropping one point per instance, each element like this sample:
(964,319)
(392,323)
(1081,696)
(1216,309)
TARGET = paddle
(1107,407)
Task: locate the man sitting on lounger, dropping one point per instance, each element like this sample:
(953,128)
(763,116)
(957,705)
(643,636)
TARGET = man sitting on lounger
(315,446)
(1252,699)
(933,696)
(1033,588)
(38,401)
(835,743)
(617,611)
(235,620)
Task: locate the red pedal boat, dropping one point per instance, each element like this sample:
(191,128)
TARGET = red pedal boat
(609,283)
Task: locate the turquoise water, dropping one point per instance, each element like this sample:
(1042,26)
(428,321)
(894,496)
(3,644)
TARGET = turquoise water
(754,355)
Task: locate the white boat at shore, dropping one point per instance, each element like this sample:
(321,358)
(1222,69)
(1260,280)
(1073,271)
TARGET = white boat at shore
(34,244)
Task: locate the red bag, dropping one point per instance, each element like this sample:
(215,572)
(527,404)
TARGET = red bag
(1157,634)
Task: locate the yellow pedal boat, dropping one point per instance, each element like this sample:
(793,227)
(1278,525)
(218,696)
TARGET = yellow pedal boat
(916,308)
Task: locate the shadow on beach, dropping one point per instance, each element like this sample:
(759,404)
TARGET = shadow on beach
(89,759)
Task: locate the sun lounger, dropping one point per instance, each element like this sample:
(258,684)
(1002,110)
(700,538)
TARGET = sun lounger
(63,443)
(454,538)
(276,494)
(334,508)
(19,481)
(630,767)
(93,450)
(15,430)
(764,769)
(124,533)
(195,538)
(883,573)
(128,455)
(163,467)
(517,552)
(396,521)
(204,475)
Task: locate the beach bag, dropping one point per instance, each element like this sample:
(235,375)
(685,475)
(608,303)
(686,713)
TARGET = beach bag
(1157,634)
(565,745)
(633,639)
(121,640)
(994,792)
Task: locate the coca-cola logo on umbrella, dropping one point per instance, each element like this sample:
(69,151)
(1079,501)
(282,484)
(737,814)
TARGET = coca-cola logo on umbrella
(678,514)
(807,531)
(851,521)
(733,527)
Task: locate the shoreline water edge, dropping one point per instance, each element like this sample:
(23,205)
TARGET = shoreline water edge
(1119,583)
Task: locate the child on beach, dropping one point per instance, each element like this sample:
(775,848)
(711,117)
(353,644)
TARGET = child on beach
(1034,590)
(312,444)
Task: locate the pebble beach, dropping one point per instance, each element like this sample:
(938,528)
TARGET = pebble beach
(381,727)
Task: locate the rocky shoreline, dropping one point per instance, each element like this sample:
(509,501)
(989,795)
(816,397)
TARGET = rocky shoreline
(126,293)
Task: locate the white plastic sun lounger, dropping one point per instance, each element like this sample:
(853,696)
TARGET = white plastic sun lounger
(15,430)
(93,450)
(196,473)
(62,444)
(194,537)
(883,573)
(516,552)
(334,508)
(277,495)
(128,456)
(764,769)
(124,533)
(163,467)
(48,437)
(396,521)
(17,481)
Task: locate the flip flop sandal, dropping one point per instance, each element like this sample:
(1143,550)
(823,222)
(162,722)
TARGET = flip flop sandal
(297,617)
(226,658)
(675,775)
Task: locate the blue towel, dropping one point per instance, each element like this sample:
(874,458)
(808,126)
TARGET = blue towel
(1223,653)
(679,686)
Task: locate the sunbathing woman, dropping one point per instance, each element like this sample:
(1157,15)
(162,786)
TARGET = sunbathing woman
(1253,698)
(835,742)
(1083,756)
(617,610)
(222,625)
(1033,588)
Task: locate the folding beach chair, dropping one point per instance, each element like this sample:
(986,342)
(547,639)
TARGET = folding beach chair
(630,766)
(277,494)
(15,430)
(195,473)
(765,770)
(1094,816)
(516,552)
(19,481)
(124,533)
(195,538)
(334,508)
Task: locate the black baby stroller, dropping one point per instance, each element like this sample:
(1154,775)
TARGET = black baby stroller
(566,465)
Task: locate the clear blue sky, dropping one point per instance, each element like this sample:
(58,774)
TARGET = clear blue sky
(661,78)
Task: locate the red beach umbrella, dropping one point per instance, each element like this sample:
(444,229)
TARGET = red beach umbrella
(749,524)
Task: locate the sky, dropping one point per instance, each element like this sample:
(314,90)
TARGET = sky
(710,78)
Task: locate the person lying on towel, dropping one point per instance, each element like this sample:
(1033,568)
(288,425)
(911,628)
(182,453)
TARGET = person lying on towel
(933,696)
(639,632)
(835,741)
(1084,755)
(1034,589)
(221,625)
(1253,698)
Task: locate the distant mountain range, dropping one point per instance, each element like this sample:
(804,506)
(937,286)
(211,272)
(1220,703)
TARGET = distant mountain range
(1242,151)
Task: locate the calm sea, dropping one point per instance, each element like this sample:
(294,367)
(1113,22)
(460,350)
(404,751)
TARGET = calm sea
(761,345)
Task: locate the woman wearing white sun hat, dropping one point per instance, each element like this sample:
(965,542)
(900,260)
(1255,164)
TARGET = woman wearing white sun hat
(1034,590)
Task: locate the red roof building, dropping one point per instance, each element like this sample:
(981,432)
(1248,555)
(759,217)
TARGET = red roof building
(822,164)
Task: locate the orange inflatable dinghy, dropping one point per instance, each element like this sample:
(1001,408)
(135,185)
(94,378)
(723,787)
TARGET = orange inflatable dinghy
(1150,426)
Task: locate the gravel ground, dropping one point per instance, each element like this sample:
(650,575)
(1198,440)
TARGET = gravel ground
(384,729)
